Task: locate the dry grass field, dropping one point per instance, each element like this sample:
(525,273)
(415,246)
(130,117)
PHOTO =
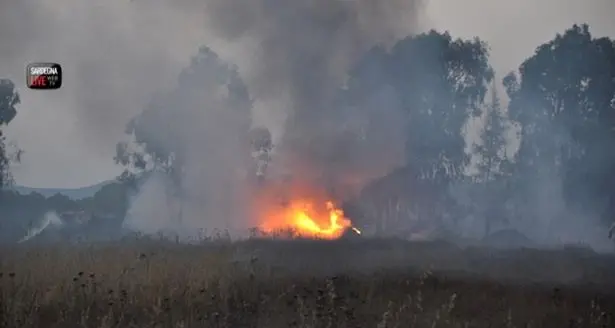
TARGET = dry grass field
(272,283)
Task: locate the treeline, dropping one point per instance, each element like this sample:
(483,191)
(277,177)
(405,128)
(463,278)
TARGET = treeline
(544,154)
(20,213)
(561,107)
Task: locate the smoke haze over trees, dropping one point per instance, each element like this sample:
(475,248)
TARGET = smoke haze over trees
(564,101)
(415,98)
(196,135)
(376,115)
(302,51)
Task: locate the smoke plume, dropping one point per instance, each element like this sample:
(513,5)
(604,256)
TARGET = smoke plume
(50,219)
(293,56)
(300,54)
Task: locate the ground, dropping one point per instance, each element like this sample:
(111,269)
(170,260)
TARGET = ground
(299,283)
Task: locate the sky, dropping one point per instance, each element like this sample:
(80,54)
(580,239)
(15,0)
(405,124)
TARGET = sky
(137,47)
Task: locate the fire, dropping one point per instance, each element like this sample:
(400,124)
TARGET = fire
(306,220)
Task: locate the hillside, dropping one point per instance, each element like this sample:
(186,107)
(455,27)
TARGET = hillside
(77,193)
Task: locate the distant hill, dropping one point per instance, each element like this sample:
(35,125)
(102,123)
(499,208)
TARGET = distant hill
(78,193)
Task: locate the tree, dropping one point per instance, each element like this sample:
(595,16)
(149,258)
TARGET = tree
(439,83)
(431,84)
(493,163)
(442,83)
(262,146)
(492,147)
(564,101)
(60,203)
(111,200)
(9,99)
(195,134)
(18,212)
(208,84)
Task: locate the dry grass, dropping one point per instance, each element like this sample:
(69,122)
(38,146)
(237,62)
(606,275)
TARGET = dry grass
(301,284)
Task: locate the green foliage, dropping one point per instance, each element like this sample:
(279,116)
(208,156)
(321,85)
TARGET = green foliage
(440,82)
(493,165)
(492,147)
(18,212)
(564,99)
(111,199)
(9,99)
(60,203)
(437,84)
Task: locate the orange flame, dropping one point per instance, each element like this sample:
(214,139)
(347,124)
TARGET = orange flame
(305,220)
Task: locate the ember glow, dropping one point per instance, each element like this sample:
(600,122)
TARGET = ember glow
(306,219)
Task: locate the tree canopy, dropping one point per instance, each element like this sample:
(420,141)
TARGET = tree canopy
(430,85)
(564,100)
(416,99)
(439,83)
(9,99)
(162,131)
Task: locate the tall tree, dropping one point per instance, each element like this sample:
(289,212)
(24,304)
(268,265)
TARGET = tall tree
(492,146)
(442,81)
(197,134)
(160,131)
(493,163)
(261,145)
(9,99)
(438,82)
(564,100)
(430,84)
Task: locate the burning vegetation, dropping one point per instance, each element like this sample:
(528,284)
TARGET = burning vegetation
(308,219)
(291,206)
(381,148)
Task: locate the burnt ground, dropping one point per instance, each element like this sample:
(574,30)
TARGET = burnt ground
(302,283)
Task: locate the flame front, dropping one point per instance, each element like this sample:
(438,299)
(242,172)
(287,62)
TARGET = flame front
(304,219)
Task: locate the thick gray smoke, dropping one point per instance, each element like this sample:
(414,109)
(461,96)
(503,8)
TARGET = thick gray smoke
(301,51)
(115,55)
(197,136)
(292,54)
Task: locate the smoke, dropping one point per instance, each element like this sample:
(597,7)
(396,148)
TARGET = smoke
(293,55)
(116,55)
(289,51)
(537,197)
(150,208)
(196,137)
(545,212)
(301,52)
(50,219)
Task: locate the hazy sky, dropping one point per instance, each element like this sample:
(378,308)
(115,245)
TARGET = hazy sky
(69,135)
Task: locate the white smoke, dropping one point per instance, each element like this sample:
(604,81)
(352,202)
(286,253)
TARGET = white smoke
(300,52)
(150,211)
(50,219)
